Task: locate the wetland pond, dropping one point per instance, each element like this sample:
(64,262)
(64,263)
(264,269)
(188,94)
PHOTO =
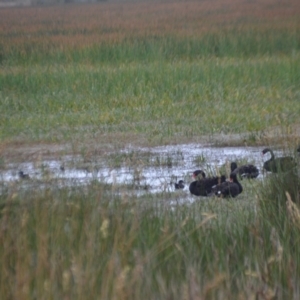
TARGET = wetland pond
(137,169)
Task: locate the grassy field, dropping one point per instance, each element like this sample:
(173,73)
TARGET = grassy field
(102,76)
(159,71)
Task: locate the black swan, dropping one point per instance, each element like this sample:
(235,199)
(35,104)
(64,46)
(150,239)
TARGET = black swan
(203,186)
(275,165)
(230,188)
(245,171)
(179,185)
(198,174)
(22,175)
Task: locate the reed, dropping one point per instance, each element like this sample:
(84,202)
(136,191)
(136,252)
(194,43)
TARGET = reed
(89,242)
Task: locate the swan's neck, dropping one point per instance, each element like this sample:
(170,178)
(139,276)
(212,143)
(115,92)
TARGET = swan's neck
(272,154)
(240,186)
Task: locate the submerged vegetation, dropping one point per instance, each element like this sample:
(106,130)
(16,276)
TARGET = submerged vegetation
(144,73)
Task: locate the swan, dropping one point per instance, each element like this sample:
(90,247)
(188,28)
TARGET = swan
(204,185)
(230,188)
(245,171)
(179,185)
(283,163)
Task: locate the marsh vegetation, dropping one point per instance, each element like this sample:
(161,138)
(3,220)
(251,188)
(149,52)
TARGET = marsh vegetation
(92,80)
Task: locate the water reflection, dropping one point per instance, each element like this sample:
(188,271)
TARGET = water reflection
(179,163)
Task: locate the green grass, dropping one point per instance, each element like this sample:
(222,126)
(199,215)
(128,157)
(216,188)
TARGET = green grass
(182,97)
(72,80)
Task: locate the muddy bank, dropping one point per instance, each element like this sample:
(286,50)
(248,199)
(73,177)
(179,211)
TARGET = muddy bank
(101,143)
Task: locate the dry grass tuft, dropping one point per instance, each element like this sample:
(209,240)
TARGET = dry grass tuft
(293,211)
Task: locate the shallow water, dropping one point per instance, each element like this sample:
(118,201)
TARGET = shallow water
(149,177)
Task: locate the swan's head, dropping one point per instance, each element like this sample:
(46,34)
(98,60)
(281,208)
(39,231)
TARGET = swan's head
(266,150)
(198,174)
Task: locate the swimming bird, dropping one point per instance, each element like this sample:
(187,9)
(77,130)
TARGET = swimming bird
(283,163)
(22,175)
(203,186)
(245,171)
(230,188)
(179,185)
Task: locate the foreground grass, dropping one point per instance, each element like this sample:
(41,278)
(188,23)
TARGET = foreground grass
(90,243)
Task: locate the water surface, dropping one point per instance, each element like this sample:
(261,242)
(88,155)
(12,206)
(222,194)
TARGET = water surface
(165,166)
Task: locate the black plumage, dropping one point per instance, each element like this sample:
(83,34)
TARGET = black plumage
(22,175)
(244,171)
(230,188)
(179,185)
(203,186)
(275,165)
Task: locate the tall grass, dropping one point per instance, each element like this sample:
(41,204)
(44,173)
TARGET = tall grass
(91,243)
(231,43)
